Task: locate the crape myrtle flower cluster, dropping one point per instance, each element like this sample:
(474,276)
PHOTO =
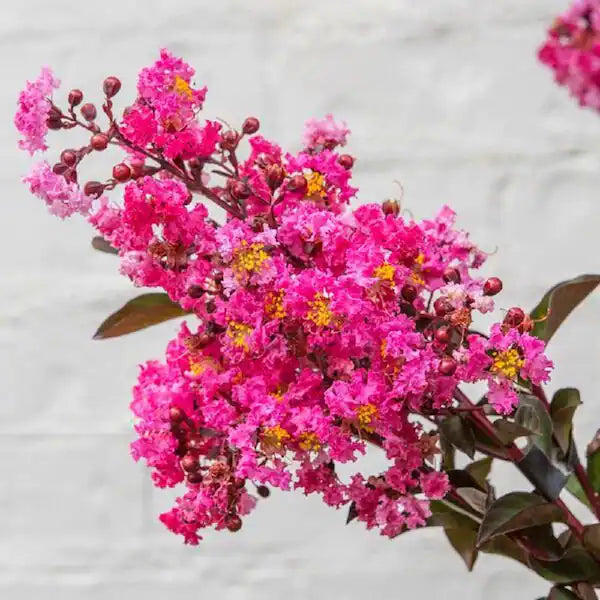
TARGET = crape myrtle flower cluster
(572,51)
(314,330)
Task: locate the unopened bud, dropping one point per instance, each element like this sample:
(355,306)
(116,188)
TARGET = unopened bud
(99,141)
(391,207)
(442,306)
(492,286)
(233,523)
(111,86)
(89,111)
(75,97)
(346,161)
(451,275)
(93,189)
(121,172)
(251,125)
(447,366)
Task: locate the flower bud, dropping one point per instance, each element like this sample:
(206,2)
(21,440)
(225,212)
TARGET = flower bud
(93,188)
(406,308)
(451,275)
(121,172)
(492,286)
(99,141)
(111,86)
(391,207)
(75,97)
(59,168)
(442,335)
(233,523)
(194,478)
(176,415)
(229,139)
(442,306)
(195,291)
(346,161)
(297,184)
(239,190)
(275,175)
(514,317)
(190,463)
(89,111)
(54,124)
(409,292)
(447,366)
(251,125)
(69,157)
(263,491)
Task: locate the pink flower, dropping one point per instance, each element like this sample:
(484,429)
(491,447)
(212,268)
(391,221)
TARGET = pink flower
(32,114)
(62,197)
(324,133)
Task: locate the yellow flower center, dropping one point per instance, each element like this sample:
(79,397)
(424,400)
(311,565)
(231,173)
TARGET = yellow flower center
(365,415)
(239,334)
(385,272)
(416,272)
(315,184)
(274,305)
(275,437)
(249,258)
(309,441)
(199,364)
(182,87)
(507,363)
(319,312)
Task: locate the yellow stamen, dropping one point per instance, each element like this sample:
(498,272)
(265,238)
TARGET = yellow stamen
(365,415)
(507,363)
(249,258)
(275,437)
(416,272)
(239,334)
(309,441)
(385,272)
(274,305)
(315,184)
(182,87)
(319,312)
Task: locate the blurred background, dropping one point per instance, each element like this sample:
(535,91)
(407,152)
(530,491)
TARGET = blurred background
(445,97)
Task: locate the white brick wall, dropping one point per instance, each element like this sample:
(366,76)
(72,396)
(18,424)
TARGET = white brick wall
(444,96)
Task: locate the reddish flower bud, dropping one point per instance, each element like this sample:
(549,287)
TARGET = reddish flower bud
(75,97)
(54,124)
(527,325)
(451,275)
(263,491)
(229,139)
(442,306)
(99,141)
(251,125)
(409,292)
(297,184)
(447,366)
(89,111)
(492,286)
(60,168)
(275,175)
(111,86)
(408,309)
(442,335)
(194,478)
(93,188)
(69,157)
(514,317)
(346,161)
(195,291)
(391,207)
(121,172)
(176,415)
(233,523)
(190,463)
(239,190)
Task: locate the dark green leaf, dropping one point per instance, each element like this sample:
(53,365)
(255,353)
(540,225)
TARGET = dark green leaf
(509,431)
(591,539)
(475,498)
(515,511)
(559,301)
(532,414)
(448,454)
(539,470)
(463,479)
(480,469)
(574,487)
(575,565)
(450,516)
(504,546)
(593,469)
(352,513)
(141,312)
(459,434)
(463,541)
(541,542)
(557,593)
(99,243)
(562,408)
(490,447)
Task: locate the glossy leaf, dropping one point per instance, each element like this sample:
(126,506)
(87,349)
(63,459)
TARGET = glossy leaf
(540,470)
(463,541)
(480,470)
(99,243)
(562,408)
(504,546)
(532,414)
(509,431)
(558,303)
(574,487)
(139,313)
(557,593)
(450,516)
(475,498)
(516,511)
(591,539)
(593,469)
(459,434)
(576,565)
